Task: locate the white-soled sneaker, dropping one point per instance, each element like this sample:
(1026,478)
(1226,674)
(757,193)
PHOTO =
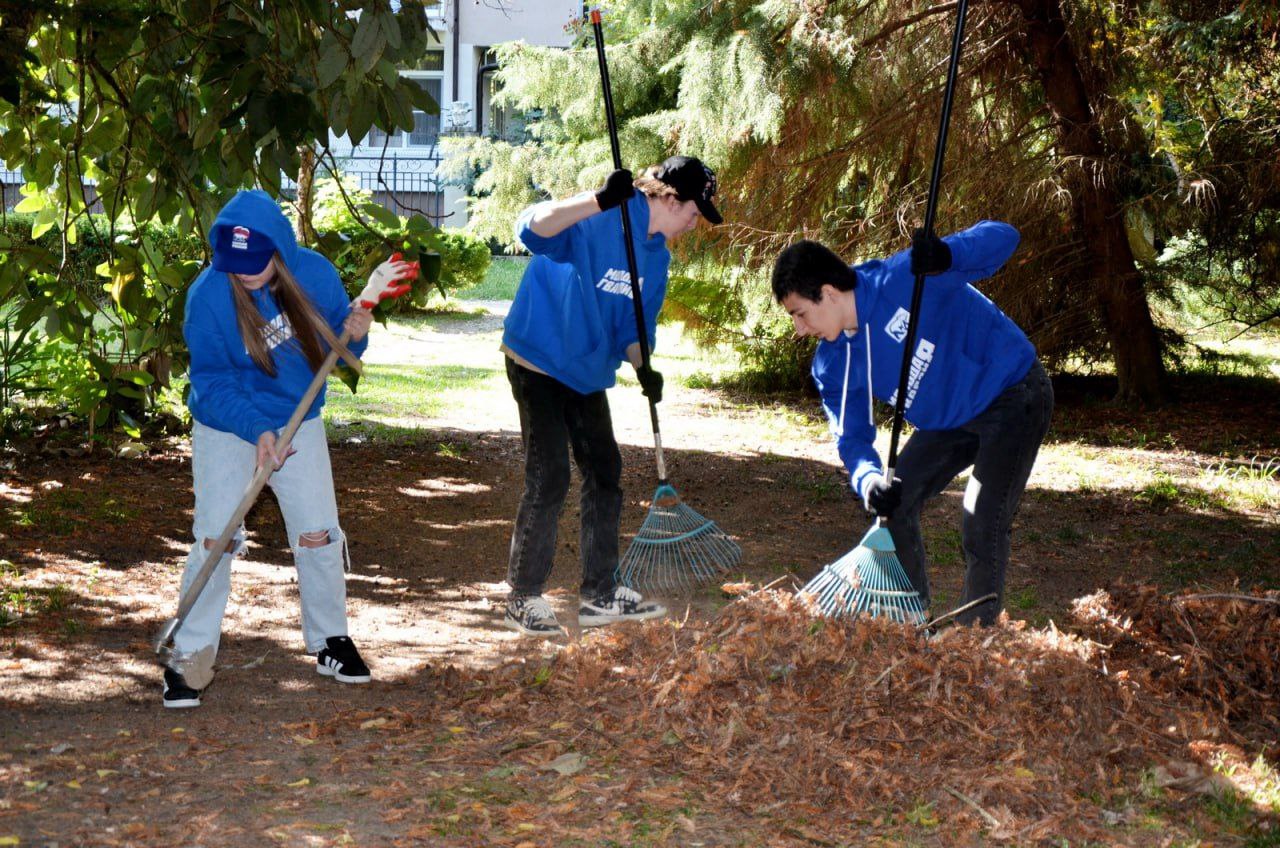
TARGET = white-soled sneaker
(623,604)
(177,694)
(531,615)
(341,661)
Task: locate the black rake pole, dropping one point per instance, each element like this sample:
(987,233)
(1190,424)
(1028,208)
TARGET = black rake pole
(917,292)
(627,237)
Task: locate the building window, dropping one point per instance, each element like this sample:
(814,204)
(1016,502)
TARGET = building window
(428,74)
(379,139)
(426,127)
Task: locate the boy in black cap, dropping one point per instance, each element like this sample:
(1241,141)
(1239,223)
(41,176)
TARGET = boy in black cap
(571,325)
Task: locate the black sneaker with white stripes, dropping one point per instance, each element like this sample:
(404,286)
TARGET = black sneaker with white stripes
(622,604)
(177,694)
(531,615)
(341,661)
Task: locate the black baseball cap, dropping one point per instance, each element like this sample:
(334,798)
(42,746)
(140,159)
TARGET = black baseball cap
(692,180)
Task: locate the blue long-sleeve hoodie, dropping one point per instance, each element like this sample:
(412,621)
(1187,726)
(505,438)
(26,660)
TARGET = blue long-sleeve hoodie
(967,350)
(572,316)
(229,392)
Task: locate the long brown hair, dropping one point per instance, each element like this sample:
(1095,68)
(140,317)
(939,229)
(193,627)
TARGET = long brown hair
(309,328)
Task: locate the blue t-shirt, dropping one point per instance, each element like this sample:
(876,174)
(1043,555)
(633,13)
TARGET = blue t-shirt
(572,316)
(967,351)
(229,392)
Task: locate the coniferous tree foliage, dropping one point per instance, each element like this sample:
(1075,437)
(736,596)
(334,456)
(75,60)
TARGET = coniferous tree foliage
(1133,144)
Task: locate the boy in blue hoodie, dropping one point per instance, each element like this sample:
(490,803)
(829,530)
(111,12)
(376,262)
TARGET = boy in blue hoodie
(571,325)
(976,393)
(259,322)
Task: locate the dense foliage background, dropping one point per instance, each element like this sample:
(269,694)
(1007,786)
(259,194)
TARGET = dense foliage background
(1136,145)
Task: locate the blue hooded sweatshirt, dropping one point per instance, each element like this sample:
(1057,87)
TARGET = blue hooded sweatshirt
(967,350)
(229,392)
(572,316)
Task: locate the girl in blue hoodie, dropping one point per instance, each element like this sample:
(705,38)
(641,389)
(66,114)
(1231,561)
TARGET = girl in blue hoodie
(976,393)
(571,325)
(259,322)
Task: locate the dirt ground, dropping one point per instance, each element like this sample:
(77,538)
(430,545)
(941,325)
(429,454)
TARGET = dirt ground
(280,755)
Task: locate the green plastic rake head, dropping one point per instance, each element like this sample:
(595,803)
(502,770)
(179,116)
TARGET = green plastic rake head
(868,580)
(676,549)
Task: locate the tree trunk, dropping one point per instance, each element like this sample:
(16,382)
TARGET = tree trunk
(1099,215)
(306,195)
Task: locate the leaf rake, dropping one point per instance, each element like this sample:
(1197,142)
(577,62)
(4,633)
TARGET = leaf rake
(869,580)
(676,548)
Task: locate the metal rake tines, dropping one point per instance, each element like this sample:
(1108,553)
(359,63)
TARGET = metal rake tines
(676,549)
(866,582)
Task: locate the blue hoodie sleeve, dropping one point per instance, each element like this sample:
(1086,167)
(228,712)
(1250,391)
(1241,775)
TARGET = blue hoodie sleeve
(215,377)
(976,253)
(842,383)
(558,248)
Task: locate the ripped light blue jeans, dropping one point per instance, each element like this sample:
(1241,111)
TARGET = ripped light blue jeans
(222,465)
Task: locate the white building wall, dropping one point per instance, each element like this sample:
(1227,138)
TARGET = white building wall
(480,24)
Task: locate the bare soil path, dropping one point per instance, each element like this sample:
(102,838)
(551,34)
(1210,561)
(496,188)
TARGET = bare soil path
(94,546)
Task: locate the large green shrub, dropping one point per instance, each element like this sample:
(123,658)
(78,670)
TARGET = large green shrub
(86,330)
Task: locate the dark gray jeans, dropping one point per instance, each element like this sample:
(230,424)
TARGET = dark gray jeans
(554,418)
(1001,444)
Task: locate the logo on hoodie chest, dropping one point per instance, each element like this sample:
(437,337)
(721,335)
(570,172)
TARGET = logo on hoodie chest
(277,331)
(617,281)
(897,326)
(920,360)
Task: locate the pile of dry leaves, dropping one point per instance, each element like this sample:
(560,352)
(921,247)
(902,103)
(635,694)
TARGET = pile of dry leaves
(839,724)
(1222,650)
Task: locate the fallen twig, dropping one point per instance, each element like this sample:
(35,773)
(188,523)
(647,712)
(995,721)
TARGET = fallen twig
(1227,596)
(990,819)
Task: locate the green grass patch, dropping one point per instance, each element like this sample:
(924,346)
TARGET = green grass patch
(18,602)
(1025,598)
(395,395)
(1165,491)
(945,546)
(500,281)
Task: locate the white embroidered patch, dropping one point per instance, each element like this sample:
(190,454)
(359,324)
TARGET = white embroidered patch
(897,326)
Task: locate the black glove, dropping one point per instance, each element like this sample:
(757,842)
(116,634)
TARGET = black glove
(884,497)
(650,383)
(617,189)
(929,254)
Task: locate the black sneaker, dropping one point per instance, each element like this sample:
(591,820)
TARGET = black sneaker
(531,615)
(623,604)
(177,694)
(341,661)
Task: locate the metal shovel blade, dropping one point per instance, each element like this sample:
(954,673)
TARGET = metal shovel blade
(196,669)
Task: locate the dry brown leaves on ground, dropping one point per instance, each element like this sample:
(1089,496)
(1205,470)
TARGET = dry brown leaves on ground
(838,725)
(1218,648)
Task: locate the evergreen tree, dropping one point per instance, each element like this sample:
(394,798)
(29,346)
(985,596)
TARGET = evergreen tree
(820,116)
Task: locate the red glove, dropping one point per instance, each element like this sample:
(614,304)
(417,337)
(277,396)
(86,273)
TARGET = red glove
(383,282)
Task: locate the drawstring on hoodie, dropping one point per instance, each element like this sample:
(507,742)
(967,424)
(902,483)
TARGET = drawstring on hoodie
(844,389)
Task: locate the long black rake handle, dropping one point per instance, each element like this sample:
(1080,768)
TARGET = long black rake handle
(917,293)
(632,267)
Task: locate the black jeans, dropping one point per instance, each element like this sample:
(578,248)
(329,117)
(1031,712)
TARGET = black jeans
(1001,444)
(553,418)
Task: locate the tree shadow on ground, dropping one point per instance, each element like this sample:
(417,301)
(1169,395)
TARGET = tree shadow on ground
(429,516)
